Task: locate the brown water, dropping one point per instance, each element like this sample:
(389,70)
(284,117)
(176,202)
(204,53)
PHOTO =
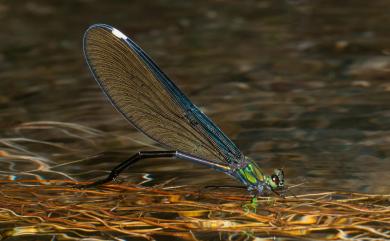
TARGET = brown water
(302,85)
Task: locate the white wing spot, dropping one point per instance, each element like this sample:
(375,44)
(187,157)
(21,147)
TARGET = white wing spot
(118,33)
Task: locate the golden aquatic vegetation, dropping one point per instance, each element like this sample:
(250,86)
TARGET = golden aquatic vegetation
(53,207)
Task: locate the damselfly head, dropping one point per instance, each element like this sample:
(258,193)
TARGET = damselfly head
(276,180)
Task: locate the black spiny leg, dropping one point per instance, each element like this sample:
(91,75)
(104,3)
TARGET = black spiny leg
(133,159)
(152,154)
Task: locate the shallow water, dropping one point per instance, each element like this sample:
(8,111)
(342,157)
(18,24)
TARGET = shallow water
(299,84)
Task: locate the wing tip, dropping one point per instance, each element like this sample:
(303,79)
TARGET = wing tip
(113,30)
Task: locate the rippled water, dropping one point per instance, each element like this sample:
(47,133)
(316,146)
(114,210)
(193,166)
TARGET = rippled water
(299,84)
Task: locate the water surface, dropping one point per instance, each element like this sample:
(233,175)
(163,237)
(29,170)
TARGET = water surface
(300,85)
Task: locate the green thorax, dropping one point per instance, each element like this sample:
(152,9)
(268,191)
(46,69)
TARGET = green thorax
(250,174)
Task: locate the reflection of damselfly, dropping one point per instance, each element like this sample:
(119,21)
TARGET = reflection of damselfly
(148,99)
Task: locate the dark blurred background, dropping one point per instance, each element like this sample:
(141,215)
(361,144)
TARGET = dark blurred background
(302,85)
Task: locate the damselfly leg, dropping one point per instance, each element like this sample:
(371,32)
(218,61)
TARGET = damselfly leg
(148,155)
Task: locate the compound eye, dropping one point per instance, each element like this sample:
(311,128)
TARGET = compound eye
(275,179)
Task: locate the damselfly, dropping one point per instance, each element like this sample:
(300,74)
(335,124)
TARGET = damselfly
(149,100)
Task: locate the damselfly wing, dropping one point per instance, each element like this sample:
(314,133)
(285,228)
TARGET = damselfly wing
(150,100)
